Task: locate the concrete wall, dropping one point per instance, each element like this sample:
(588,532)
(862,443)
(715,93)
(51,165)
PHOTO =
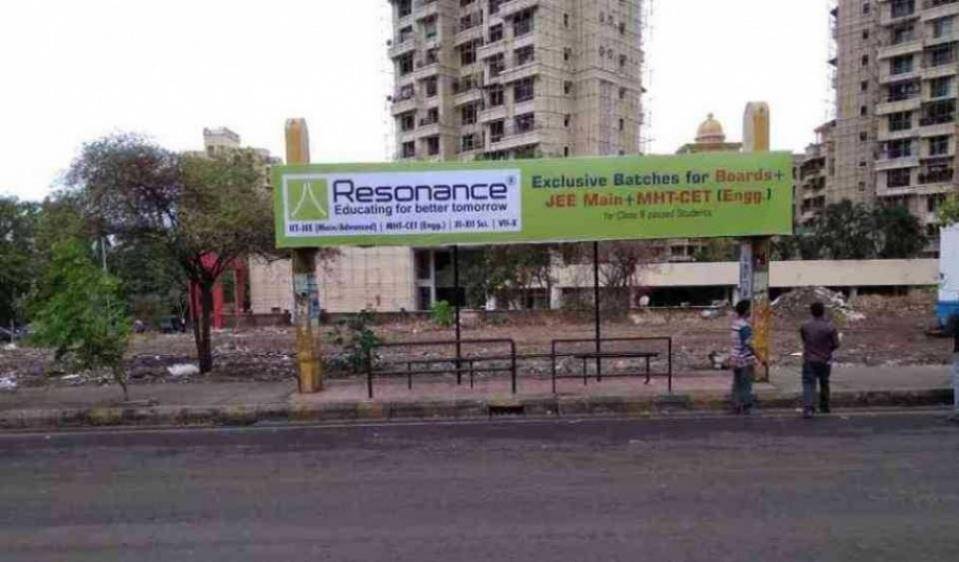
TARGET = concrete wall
(382,279)
(379,279)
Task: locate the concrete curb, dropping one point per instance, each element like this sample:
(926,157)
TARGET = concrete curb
(303,411)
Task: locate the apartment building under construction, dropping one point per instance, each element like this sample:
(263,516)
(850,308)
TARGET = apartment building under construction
(499,79)
(894,137)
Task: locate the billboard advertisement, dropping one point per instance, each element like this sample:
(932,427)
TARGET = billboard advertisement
(530,201)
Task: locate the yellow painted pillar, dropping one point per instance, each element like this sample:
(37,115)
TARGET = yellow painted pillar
(755,252)
(305,292)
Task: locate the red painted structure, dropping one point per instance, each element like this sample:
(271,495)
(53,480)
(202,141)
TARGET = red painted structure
(220,310)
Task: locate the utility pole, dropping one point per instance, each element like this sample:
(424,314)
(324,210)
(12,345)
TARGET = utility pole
(754,252)
(306,313)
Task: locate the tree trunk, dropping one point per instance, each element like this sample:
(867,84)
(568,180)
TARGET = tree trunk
(201,328)
(119,375)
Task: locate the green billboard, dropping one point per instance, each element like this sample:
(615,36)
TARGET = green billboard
(522,201)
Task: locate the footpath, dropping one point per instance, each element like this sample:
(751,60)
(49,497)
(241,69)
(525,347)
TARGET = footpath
(209,403)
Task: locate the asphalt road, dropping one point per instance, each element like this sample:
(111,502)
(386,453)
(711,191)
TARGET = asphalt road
(865,487)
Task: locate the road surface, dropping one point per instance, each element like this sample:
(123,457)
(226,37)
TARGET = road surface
(862,487)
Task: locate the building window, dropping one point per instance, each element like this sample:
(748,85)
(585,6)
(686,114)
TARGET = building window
(864,86)
(903,91)
(567,54)
(404,8)
(865,60)
(939,146)
(496,97)
(468,114)
(566,151)
(496,130)
(900,148)
(903,34)
(432,87)
(432,117)
(497,65)
(468,143)
(433,146)
(622,28)
(525,123)
(940,87)
(622,61)
(405,64)
(939,112)
(494,5)
(898,178)
(468,53)
(865,7)
(567,87)
(566,120)
(865,34)
(496,33)
(622,124)
(900,65)
(409,149)
(408,121)
(523,90)
(942,55)
(863,136)
(942,27)
(863,110)
(523,23)
(933,202)
(565,20)
(900,121)
(903,8)
(524,55)
(622,93)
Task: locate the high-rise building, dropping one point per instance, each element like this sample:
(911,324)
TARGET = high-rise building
(501,79)
(895,134)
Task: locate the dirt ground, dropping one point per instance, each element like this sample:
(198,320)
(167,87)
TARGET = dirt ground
(875,331)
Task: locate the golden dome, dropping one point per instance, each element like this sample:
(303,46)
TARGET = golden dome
(710,131)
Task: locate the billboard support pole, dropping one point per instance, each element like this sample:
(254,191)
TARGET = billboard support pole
(756,132)
(596,313)
(456,305)
(306,313)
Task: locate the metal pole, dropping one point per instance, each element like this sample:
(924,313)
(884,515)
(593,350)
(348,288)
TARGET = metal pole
(456,304)
(599,368)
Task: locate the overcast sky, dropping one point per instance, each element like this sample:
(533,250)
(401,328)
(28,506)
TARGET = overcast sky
(73,70)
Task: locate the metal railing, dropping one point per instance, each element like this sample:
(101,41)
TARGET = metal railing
(459,364)
(597,354)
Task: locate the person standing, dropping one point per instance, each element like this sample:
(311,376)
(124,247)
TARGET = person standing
(742,358)
(952,328)
(820,340)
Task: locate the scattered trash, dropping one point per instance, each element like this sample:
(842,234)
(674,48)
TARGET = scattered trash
(8,383)
(69,377)
(10,347)
(183,370)
(718,360)
(796,303)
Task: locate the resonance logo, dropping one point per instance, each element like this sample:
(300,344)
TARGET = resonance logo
(307,200)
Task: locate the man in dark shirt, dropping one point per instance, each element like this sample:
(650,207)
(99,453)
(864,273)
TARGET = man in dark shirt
(820,339)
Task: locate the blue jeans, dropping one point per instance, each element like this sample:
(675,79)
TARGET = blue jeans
(743,387)
(811,373)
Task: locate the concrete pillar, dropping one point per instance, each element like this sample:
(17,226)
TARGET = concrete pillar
(555,297)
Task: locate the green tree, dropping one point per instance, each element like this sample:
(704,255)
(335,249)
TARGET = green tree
(203,211)
(898,232)
(83,317)
(948,212)
(18,267)
(845,231)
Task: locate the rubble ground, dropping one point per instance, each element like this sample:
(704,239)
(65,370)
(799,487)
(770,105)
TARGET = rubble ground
(876,330)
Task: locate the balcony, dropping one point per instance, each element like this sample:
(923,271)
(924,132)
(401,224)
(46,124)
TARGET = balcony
(515,137)
(492,113)
(401,47)
(424,9)
(895,14)
(514,7)
(404,100)
(912,46)
(886,75)
(929,177)
(950,37)
(896,106)
(893,161)
(932,72)
(935,9)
